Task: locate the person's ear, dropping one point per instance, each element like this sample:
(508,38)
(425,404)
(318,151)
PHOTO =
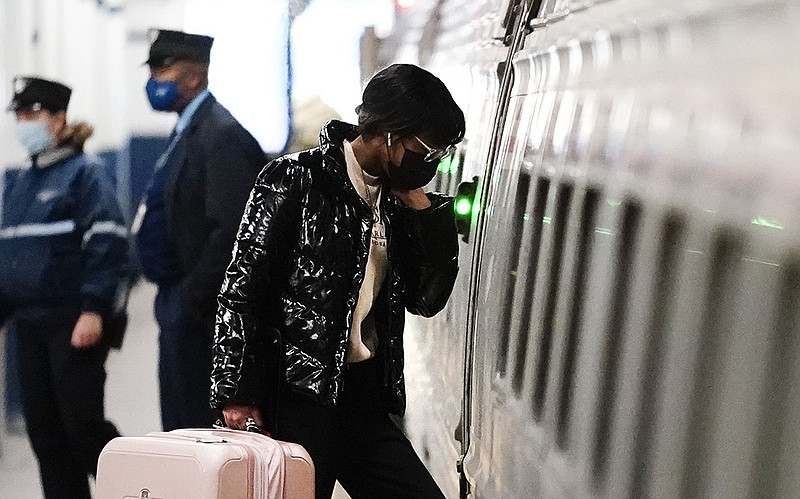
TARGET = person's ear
(56,122)
(197,80)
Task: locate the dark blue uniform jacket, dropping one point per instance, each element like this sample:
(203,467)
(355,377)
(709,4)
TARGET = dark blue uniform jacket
(63,240)
(208,178)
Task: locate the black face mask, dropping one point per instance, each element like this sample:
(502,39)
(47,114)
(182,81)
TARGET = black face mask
(413,172)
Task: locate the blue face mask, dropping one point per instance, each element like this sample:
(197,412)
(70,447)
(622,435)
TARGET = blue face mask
(34,136)
(161,94)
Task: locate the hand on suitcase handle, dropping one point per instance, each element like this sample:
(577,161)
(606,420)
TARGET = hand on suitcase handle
(242,417)
(250,425)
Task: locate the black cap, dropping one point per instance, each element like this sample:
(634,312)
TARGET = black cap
(32,94)
(167,47)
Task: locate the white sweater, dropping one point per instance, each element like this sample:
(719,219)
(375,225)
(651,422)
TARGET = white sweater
(363,339)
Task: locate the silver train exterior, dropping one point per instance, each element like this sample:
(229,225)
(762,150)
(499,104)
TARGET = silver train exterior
(627,318)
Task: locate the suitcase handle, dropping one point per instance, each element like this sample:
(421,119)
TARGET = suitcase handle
(249,425)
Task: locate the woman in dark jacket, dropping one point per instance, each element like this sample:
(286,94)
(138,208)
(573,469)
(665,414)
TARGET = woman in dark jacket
(335,245)
(63,258)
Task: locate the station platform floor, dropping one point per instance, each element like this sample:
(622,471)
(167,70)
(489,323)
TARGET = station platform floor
(131,399)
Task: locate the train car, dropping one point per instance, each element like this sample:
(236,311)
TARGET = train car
(626,319)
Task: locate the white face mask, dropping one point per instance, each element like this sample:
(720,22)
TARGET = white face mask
(34,136)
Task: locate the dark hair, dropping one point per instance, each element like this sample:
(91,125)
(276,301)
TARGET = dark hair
(407,100)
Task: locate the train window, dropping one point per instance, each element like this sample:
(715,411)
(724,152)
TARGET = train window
(586,118)
(550,7)
(776,425)
(452,169)
(560,218)
(631,215)
(587,223)
(438,180)
(507,297)
(448,173)
(519,329)
(662,306)
(725,263)
(459,171)
(562,126)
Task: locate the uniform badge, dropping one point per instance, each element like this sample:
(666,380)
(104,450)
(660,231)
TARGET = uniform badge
(46,195)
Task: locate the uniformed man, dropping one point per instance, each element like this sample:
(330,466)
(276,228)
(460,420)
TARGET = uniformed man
(63,260)
(189,218)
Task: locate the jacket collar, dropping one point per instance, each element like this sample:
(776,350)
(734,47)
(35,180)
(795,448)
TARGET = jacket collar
(51,156)
(176,159)
(331,138)
(185,117)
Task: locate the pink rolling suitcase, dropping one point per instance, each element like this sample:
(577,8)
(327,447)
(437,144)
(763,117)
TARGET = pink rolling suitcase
(204,464)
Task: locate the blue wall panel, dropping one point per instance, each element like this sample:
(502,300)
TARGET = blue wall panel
(143,152)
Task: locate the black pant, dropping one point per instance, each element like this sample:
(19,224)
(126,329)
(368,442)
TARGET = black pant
(62,392)
(355,441)
(184,364)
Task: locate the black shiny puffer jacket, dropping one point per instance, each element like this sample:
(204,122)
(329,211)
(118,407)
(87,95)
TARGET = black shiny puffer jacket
(298,264)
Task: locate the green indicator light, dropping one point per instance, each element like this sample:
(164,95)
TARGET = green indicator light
(463,207)
(466,206)
(547,220)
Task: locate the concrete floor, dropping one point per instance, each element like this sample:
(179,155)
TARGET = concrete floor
(131,399)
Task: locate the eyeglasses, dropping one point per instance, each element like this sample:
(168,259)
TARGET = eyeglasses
(436,154)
